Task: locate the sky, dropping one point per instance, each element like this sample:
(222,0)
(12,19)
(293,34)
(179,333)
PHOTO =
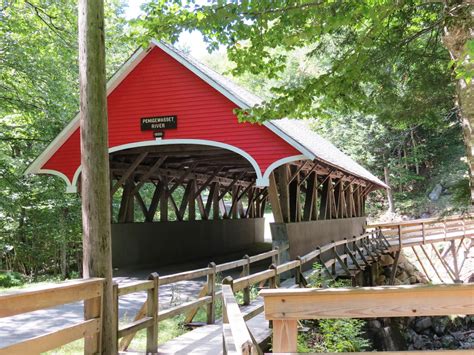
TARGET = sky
(193,40)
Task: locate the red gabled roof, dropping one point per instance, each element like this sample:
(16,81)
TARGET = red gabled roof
(164,81)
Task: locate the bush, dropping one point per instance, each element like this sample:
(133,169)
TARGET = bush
(11,279)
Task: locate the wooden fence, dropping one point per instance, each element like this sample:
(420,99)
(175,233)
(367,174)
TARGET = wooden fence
(285,307)
(426,231)
(344,258)
(87,290)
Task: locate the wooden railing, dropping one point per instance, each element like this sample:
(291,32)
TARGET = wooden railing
(285,307)
(236,336)
(87,290)
(149,315)
(365,248)
(426,231)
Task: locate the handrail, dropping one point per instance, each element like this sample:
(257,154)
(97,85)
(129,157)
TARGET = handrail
(467,217)
(286,306)
(88,290)
(236,336)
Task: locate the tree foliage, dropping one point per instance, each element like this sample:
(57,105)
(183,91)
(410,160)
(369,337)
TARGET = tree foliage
(40,224)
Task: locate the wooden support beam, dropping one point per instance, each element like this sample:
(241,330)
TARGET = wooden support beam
(164,199)
(393,272)
(144,178)
(431,263)
(128,172)
(444,263)
(284,196)
(310,202)
(274,199)
(421,263)
(154,202)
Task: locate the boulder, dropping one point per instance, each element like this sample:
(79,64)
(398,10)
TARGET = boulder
(423,323)
(435,193)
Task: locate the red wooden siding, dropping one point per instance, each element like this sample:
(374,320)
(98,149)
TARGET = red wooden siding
(160,85)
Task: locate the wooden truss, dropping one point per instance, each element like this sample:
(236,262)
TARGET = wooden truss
(194,182)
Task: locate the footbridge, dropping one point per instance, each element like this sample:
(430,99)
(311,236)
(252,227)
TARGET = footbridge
(237,319)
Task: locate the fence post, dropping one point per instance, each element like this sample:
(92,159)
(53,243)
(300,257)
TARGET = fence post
(115,298)
(93,309)
(227,281)
(423,232)
(276,261)
(246,272)
(400,236)
(211,291)
(152,311)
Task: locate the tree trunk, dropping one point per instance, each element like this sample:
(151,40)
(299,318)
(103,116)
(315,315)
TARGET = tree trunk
(95,188)
(391,208)
(455,40)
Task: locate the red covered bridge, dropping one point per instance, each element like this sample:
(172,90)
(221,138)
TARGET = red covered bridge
(185,173)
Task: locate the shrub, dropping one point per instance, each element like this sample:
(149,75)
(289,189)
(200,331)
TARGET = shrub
(11,279)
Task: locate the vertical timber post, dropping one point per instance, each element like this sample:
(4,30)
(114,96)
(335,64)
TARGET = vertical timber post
(95,184)
(211,291)
(152,312)
(246,272)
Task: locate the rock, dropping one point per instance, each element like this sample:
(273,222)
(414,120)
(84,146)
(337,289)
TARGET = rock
(380,279)
(375,324)
(436,193)
(421,342)
(413,280)
(422,324)
(447,341)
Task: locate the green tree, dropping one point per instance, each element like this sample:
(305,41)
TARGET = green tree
(385,58)
(40,230)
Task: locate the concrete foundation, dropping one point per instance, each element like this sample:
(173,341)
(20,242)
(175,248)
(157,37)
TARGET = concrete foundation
(304,237)
(163,243)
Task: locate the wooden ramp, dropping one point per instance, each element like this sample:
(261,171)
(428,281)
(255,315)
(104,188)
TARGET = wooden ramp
(207,340)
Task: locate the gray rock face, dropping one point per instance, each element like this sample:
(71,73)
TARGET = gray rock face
(436,193)
(423,324)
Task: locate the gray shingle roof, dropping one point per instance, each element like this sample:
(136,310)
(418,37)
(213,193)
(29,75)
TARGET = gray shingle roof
(298,132)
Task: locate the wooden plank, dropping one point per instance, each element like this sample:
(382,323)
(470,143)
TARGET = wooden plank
(369,302)
(183,308)
(240,334)
(262,256)
(287,266)
(192,312)
(149,173)
(127,339)
(136,286)
(183,276)
(135,326)
(248,281)
(54,339)
(230,265)
(49,296)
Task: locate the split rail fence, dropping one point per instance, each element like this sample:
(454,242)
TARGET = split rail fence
(344,258)
(87,290)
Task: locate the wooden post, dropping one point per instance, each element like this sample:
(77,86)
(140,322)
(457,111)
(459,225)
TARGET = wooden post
(400,242)
(116,308)
(152,311)
(455,262)
(95,175)
(394,267)
(284,336)
(227,281)
(211,291)
(93,309)
(246,272)
(274,199)
(423,232)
